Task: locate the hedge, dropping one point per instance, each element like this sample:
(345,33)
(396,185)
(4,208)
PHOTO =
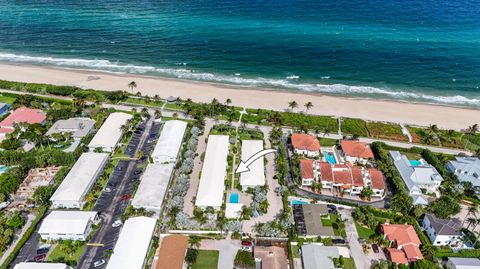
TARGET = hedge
(24,238)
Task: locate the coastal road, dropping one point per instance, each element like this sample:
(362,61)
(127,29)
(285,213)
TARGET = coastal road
(110,205)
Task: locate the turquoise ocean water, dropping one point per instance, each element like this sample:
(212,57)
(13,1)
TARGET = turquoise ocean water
(424,51)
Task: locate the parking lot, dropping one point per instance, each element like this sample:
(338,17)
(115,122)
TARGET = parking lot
(112,205)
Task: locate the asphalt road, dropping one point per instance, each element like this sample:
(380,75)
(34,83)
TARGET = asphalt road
(110,205)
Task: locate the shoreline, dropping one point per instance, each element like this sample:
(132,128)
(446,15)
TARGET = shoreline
(421,114)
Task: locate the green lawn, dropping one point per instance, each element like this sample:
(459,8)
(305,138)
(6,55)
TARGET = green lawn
(7,99)
(363,232)
(327,142)
(174,106)
(139,101)
(354,127)
(388,131)
(338,226)
(58,254)
(207,259)
(326,222)
(349,263)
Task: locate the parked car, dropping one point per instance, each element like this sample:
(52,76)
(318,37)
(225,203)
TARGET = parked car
(375,248)
(338,241)
(43,250)
(40,257)
(107,190)
(126,197)
(117,223)
(98,263)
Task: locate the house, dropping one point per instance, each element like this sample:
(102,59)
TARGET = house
(467,169)
(354,151)
(462,263)
(36,177)
(308,220)
(443,232)
(304,144)
(67,225)
(171,252)
(21,115)
(419,177)
(271,257)
(315,255)
(404,243)
(342,178)
(78,127)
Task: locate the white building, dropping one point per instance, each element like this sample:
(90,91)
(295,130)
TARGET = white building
(110,133)
(214,172)
(79,180)
(168,145)
(467,169)
(153,187)
(79,127)
(41,265)
(256,175)
(133,244)
(462,263)
(443,232)
(67,225)
(419,177)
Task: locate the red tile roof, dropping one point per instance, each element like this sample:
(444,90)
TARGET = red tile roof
(357,176)
(397,256)
(6,130)
(377,179)
(356,149)
(305,142)
(402,234)
(326,171)
(24,114)
(171,253)
(342,177)
(413,252)
(306,166)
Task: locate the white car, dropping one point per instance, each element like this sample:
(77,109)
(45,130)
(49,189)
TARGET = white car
(117,223)
(107,190)
(98,263)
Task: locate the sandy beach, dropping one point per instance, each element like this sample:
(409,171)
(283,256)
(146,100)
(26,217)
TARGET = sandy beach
(375,110)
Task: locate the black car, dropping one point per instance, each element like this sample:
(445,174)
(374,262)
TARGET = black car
(338,241)
(41,251)
(375,248)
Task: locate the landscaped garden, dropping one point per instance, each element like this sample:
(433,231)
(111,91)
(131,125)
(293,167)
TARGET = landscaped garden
(206,259)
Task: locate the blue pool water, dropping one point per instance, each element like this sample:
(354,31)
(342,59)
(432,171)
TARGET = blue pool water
(415,163)
(298,202)
(3,169)
(234,198)
(329,157)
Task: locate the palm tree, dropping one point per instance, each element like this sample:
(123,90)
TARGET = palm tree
(471,221)
(194,241)
(132,85)
(308,106)
(228,101)
(471,210)
(157,114)
(473,129)
(292,105)
(433,128)
(144,112)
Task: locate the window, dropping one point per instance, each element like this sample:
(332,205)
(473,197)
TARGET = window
(438,242)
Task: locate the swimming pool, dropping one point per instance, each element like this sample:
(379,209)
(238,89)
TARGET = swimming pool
(329,157)
(234,197)
(298,202)
(3,168)
(415,162)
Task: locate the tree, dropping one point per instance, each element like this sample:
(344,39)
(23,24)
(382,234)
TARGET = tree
(194,241)
(228,101)
(191,256)
(292,105)
(473,129)
(132,85)
(366,193)
(423,264)
(157,114)
(308,106)
(471,221)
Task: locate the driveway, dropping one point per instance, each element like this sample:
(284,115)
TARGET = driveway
(228,248)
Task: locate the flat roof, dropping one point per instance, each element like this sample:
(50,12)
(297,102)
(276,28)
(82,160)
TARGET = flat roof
(133,243)
(170,141)
(79,127)
(214,171)
(256,175)
(83,172)
(317,256)
(153,186)
(110,133)
(40,265)
(66,222)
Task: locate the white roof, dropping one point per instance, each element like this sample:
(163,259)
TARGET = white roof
(168,145)
(40,265)
(79,127)
(212,180)
(465,263)
(233,211)
(256,175)
(317,256)
(83,172)
(133,243)
(66,222)
(110,133)
(153,186)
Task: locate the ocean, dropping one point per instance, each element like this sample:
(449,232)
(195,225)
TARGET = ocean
(420,51)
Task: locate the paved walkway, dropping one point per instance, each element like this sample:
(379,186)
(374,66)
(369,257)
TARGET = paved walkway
(188,206)
(17,237)
(228,248)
